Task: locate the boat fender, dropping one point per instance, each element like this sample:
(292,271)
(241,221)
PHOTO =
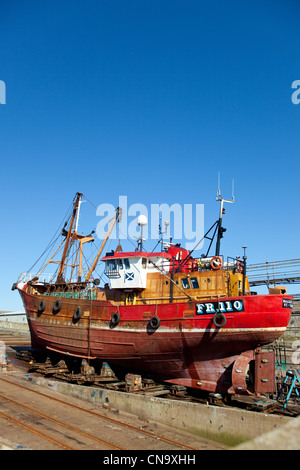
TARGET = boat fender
(219,320)
(216,262)
(57,306)
(42,306)
(115,319)
(154,322)
(77,313)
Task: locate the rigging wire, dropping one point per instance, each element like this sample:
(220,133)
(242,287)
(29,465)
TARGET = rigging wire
(71,254)
(52,242)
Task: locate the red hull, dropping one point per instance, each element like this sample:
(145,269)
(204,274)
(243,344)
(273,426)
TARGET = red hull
(187,348)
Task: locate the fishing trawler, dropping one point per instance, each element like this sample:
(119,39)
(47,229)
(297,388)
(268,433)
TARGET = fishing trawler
(188,321)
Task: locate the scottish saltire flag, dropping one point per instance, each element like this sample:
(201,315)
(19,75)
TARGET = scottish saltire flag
(129,276)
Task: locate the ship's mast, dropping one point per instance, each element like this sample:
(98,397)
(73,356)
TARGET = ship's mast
(115,220)
(63,259)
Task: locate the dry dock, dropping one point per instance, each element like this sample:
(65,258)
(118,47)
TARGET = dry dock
(152,422)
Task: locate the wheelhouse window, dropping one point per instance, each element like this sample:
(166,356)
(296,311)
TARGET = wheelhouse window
(194,283)
(126,263)
(185,283)
(144,263)
(120,263)
(111,265)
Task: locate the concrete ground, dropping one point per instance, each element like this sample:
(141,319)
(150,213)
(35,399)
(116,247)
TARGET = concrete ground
(286,437)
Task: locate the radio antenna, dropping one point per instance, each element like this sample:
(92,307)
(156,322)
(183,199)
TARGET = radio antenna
(221,230)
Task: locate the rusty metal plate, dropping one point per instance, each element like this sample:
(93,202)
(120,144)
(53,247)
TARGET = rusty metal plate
(239,372)
(265,372)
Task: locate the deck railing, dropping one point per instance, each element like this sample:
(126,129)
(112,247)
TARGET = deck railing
(41,278)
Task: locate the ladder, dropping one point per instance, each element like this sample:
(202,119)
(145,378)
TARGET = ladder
(294,376)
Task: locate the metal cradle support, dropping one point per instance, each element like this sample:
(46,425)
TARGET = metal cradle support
(294,376)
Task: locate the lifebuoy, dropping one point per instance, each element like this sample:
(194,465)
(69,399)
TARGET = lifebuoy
(240,266)
(216,263)
(57,306)
(77,314)
(219,320)
(115,319)
(42,306)
(154,322)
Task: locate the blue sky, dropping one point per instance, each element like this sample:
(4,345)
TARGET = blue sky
(149,99)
